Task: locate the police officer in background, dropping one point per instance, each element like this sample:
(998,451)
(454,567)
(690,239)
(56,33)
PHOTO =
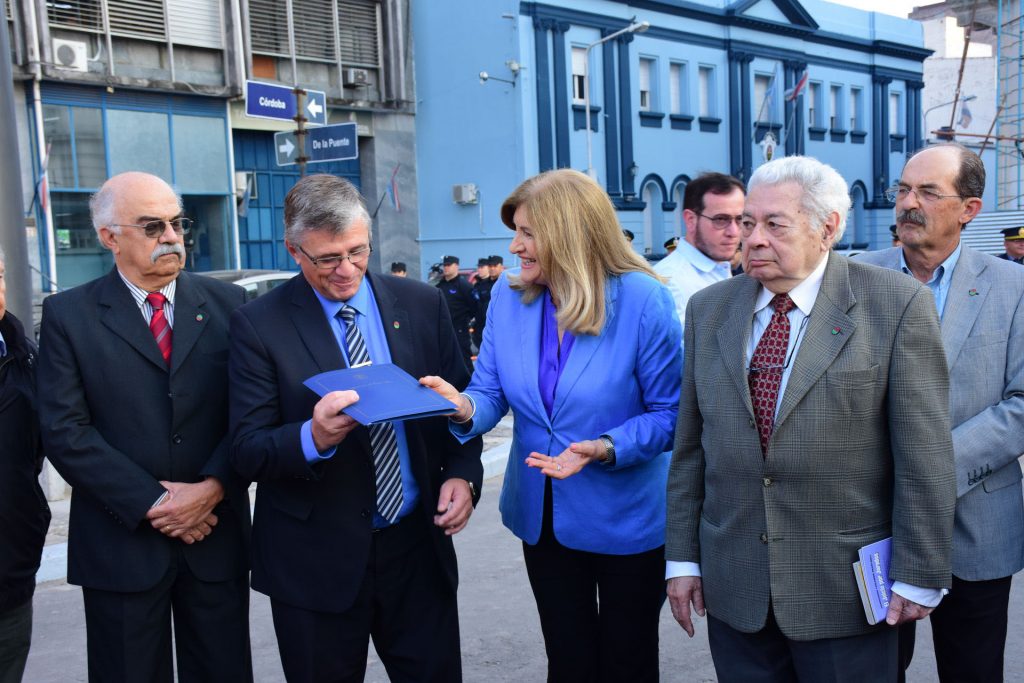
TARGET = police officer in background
(482,294)
(458,293)
(1013,242)
(497,267)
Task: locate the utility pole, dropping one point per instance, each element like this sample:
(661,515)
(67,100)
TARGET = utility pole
(300,129)
(12,208)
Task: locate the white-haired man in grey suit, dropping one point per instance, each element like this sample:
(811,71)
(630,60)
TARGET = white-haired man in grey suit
(813,420)
(980,304)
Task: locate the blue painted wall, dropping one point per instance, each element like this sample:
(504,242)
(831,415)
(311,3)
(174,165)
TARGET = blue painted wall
(496,134)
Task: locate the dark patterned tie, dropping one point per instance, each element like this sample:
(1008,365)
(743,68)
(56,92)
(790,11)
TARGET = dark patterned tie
(158,325)
(382,434)
(766,368)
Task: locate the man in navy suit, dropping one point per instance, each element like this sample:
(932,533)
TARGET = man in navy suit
(134,412)
(347,546)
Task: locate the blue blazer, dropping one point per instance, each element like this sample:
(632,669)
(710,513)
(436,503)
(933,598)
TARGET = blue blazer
(623,382)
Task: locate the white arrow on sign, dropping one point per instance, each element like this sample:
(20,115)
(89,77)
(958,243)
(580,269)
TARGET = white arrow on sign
(287,147)
(314,108)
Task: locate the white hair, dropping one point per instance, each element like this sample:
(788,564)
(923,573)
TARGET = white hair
(824,190)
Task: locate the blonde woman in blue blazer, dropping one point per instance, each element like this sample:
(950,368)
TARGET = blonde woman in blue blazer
(582,343)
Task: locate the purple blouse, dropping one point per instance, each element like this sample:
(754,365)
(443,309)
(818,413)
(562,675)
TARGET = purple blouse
(552,358)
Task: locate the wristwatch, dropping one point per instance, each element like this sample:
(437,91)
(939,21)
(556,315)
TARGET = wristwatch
(609,450)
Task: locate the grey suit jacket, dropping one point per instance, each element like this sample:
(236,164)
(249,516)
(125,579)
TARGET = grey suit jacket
(983,332)
(859,451)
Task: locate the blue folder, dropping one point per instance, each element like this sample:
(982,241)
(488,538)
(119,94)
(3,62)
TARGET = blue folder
(386,393)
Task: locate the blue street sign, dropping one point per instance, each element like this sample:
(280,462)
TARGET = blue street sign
(269,101)
(286,148)
(338,142)
(316,108)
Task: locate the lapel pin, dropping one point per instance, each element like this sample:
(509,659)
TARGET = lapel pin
(199,317)
(972,292)
(395,325)
(836,330)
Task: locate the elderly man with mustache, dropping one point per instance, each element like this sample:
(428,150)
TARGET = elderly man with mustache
(134,413)
(980,302)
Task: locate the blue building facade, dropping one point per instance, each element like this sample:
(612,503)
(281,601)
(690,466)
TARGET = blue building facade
(703,88)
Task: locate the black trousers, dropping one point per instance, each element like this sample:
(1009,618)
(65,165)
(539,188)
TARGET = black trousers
(969,631)
(15,640)
(768,656)
(599,613)
(403,604)
(129,634)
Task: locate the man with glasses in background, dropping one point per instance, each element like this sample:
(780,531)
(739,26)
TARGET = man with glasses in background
(813,420)
(133,404)
(980,303)
(712,208)
(352,537)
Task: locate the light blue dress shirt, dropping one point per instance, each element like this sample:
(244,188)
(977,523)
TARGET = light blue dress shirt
(369,323)
(943,275)
(3,346)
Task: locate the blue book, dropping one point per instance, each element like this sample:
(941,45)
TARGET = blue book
(873,582)
(386,393)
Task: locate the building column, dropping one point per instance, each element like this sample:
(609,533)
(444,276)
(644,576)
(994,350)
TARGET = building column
(793,125)
(880,138)
(561,87)
(611,119)
(740,124)
(626,113)
(545,135)
(915,134)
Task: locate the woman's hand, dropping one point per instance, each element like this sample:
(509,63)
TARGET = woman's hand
(446,390)
(570,461)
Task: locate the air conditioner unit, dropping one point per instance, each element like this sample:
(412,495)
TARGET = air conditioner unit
(465,194)
(70,54)
(353,78)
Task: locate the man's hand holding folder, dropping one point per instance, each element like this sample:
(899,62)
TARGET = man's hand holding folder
(330,424)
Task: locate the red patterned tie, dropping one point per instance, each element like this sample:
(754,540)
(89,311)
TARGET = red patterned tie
(158,325)
(766,368)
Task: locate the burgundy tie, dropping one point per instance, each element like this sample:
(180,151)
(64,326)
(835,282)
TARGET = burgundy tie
(766,368)
(158,325)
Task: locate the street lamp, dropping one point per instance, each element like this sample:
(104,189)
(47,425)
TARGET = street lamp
(924,117)
(635,27)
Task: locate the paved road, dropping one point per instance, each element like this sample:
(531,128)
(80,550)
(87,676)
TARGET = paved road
(500,633)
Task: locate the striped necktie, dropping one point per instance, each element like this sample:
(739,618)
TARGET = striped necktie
(158,325)
(382,434)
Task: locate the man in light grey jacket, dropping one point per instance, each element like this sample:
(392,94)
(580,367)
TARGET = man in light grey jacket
(980,305)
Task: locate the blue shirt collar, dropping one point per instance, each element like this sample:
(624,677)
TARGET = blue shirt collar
(359,301)
(3,346)
(944,273)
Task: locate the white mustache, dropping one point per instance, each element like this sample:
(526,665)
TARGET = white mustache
(164,249)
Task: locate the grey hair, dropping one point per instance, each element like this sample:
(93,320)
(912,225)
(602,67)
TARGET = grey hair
(824,190)
(102,208)
(322,202)
(970,177)
(3,258)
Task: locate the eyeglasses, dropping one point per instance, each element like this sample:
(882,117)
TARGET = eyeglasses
(924,194)
(154,229)
(747,226)
(721,221)
(356,257)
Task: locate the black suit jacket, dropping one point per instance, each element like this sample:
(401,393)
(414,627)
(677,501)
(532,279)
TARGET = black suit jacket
(115,422)
(311,537)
